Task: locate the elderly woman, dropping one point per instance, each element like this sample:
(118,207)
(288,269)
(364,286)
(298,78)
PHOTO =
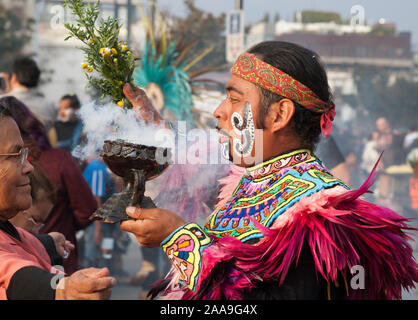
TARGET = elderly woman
(25,266)
(43,199)
(75,202)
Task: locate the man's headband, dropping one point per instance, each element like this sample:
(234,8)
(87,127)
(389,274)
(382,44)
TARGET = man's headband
(264,75)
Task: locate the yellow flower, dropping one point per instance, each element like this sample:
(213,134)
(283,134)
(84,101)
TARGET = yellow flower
(89,69)
(125,43)
(114,51)
(120,103)
(119,44)
(105,52)
(115,60)
(83,65)
(129,53)
(120,82)
(124,48)
(91,40)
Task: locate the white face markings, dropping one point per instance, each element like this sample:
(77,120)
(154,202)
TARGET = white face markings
(244,128)
(225,150)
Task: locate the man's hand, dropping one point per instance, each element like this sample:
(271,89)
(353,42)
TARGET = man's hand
(62,245)
(86,284)
(142,105)
(151,226)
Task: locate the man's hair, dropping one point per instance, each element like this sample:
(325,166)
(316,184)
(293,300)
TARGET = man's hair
(26,71)
(74,102)
(304,66)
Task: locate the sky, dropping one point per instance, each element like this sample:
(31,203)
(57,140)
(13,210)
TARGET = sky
(403,12)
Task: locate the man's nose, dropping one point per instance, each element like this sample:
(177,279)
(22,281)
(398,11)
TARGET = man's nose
(219,112)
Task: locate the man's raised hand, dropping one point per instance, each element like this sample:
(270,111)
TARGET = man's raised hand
(142,105)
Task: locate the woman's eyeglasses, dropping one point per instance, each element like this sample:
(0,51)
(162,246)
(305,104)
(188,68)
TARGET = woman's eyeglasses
(23,154)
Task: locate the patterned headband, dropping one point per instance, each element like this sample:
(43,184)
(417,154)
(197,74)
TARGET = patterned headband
(264,75)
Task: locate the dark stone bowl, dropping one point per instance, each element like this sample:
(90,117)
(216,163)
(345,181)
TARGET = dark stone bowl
(135,164)
(121,157)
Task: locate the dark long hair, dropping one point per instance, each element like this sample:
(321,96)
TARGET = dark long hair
(305,66)
(4,112)
(32,130)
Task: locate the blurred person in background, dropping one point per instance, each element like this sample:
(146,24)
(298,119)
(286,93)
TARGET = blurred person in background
(98,178)
(75,201)
(103,243)
(329,152)
(121,238)
(384,144)
(354,170)
(410,138)
(370,154)
(26,271)
(385,134)
(43,200)
(412,160)
(23,84)
(68,127)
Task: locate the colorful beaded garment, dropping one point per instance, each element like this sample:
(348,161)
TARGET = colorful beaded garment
(341,229)
(184,250)
(266,191)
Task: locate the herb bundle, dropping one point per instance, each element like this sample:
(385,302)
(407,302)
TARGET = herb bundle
(104,53)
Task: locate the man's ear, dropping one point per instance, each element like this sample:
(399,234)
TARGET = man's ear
(279,114)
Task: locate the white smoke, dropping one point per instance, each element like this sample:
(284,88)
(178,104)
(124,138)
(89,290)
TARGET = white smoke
(199,171)
(109,122)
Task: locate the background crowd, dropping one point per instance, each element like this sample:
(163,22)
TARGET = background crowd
(362,146)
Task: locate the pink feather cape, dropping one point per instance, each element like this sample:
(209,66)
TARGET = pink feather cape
(342,231)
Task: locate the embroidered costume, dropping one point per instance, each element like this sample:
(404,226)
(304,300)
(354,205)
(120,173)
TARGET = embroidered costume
(279,209)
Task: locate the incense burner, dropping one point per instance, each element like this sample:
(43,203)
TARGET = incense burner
(135,164)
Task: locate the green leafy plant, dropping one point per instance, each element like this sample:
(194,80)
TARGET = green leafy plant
(105,54)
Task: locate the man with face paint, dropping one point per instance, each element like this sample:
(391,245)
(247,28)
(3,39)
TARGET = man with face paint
(286,228)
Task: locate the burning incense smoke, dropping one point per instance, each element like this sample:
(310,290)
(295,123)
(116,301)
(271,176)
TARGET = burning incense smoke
(107,122)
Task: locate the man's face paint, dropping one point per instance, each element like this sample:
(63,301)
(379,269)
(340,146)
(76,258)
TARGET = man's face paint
(244,128)
(237,123)
(225,150)
(224,141)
